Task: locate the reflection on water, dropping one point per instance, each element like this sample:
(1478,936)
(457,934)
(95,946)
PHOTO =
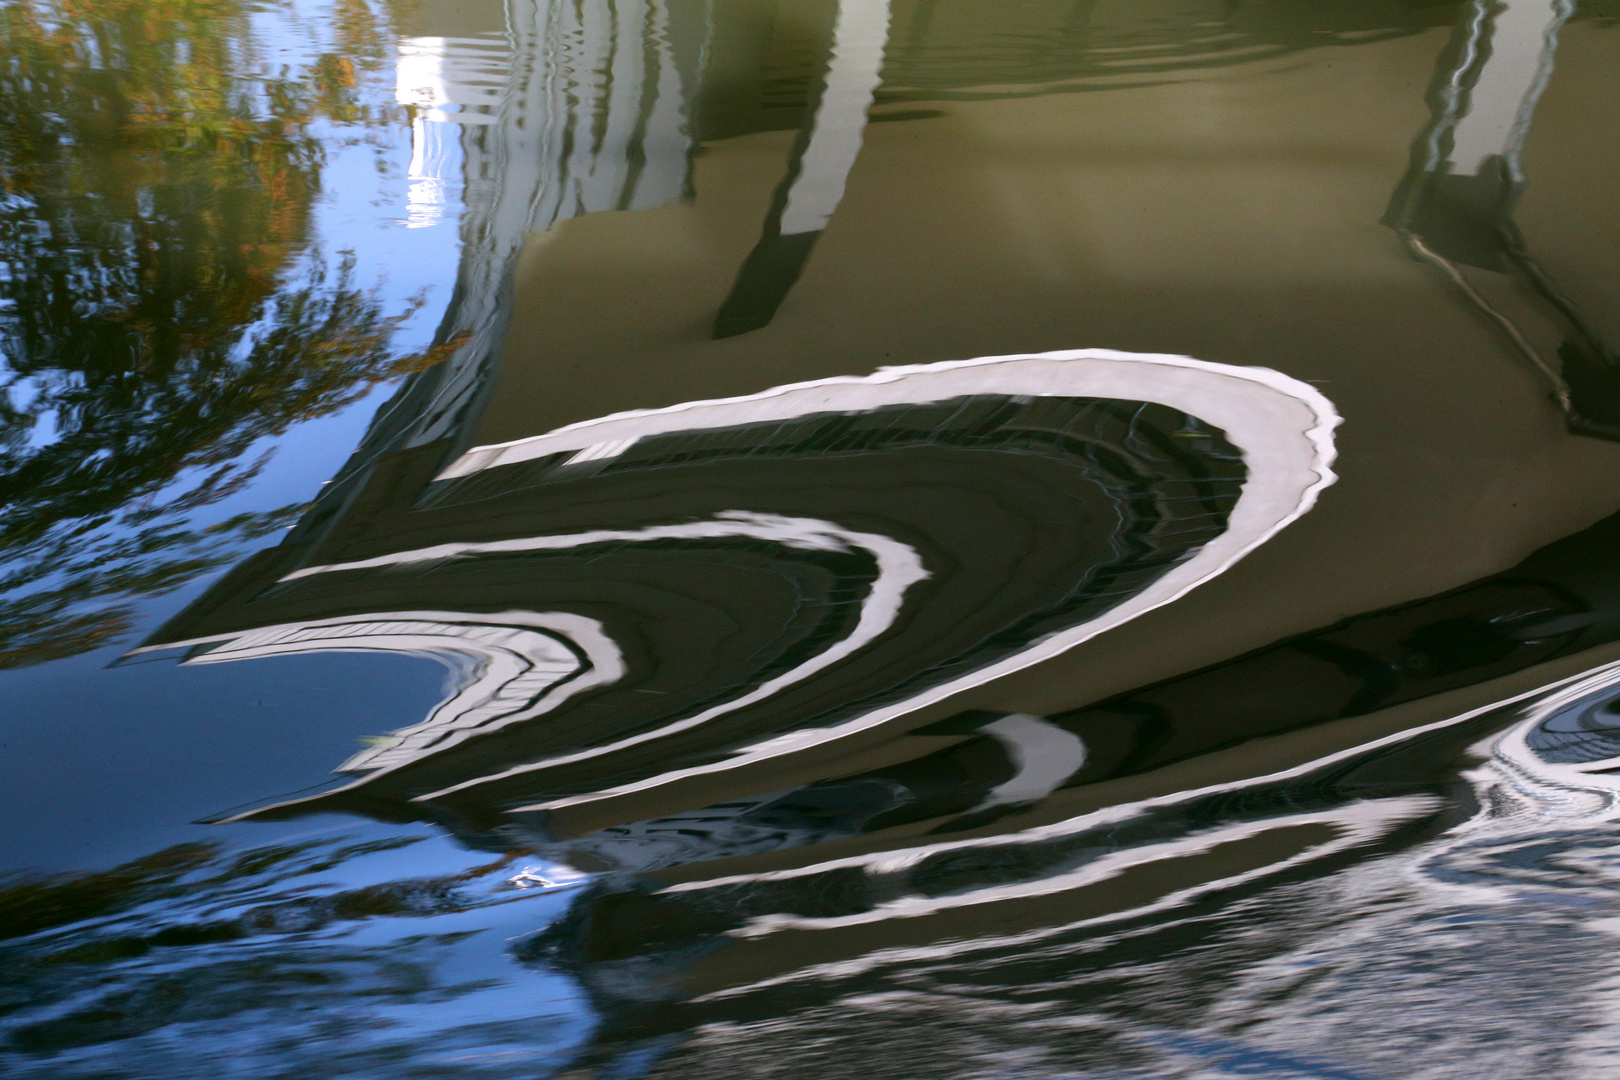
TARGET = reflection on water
(263,955)
(1022,523)
(958,540)
(164,309)
(1457,200)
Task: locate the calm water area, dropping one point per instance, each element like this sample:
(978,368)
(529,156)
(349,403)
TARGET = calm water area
(888,539)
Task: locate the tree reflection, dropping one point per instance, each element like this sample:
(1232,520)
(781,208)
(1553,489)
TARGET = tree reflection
(160,306)
(313,956)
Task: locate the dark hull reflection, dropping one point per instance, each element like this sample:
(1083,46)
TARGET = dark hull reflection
(664,607)
(910,907)
(1238,914)
(624,560)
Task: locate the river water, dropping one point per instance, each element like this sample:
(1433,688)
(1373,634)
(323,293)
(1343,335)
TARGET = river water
(898,539)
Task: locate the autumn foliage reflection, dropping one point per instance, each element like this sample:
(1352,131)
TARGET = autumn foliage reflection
(162,304)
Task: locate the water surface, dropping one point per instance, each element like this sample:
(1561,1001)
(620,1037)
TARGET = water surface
(901,538)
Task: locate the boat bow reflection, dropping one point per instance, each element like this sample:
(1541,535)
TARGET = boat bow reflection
(749,581)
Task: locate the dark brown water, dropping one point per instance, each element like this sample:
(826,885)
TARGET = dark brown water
(890,539)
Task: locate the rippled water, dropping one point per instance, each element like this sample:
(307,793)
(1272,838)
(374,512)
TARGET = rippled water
(785,538)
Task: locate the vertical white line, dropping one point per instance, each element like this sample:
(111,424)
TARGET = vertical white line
(623,67)
(664,143)
(859,38)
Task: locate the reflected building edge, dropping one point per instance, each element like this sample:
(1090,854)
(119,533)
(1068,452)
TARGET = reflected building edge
(568,110)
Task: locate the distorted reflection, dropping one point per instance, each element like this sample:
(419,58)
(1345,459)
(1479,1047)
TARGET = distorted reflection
(958,541)
(166,306)
(817,172)
(779,567)
(1456,203)
(327,954)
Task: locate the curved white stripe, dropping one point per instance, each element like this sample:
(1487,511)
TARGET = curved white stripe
(1232,398)
(805,533)
(1360,821)
(1513,749)
(516,674)
(889,861)
(1283,427)
(899,567)
(506,671)
(1045,754)
(1543,782)
(1357,824)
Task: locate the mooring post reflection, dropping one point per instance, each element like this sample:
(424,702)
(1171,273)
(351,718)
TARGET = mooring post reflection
(822,158)
(961,539)
(1456,203)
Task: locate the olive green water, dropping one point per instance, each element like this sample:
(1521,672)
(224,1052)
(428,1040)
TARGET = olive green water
(809,538)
